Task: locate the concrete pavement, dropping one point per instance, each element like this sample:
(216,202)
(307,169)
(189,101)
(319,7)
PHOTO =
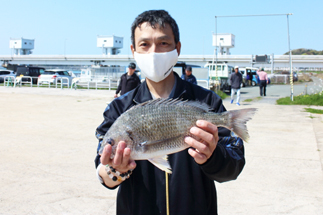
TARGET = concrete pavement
(48,146)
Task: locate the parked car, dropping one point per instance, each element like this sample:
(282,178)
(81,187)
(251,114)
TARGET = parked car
(30,71)
(4,73)
(55,75)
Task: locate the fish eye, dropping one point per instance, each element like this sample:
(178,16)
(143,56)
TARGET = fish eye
(110,141)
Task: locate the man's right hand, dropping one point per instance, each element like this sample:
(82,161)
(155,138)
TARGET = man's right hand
(115,95)
(121,162)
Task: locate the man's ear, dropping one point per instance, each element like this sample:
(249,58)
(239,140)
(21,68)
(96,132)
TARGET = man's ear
(132,50)
(178,47)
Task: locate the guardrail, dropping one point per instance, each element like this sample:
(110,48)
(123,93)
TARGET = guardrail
(109,83)
(25,80)
(42,84)
(62,83)
(9,80)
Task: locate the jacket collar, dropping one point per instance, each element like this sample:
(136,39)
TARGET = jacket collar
(143,93)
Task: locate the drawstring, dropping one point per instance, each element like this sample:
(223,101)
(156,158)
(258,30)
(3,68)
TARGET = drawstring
(167,194)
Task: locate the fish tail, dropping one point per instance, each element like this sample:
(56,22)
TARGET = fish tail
(236,120)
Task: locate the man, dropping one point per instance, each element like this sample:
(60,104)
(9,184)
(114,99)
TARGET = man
(263,81)
(128,81)
(236,80)
(156,46)
(188,75)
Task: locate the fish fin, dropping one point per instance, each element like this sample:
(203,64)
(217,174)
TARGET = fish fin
(161,163)
(238,120)
(174,102)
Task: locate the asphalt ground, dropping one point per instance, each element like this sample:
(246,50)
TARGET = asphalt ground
(48,146)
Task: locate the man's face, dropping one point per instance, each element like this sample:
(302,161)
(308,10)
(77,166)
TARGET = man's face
(236,70)
(131,71)
(188,73)
(159,40)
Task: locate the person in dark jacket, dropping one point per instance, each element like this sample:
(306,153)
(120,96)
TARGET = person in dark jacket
(188,75)
(128,81)
(213,154)
(236,80)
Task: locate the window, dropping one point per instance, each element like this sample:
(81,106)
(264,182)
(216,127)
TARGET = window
(104,41)
(49,73)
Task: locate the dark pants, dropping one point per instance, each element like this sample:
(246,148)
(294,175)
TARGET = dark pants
(262,86)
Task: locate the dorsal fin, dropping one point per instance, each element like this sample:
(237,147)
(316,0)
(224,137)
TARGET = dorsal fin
(174,102)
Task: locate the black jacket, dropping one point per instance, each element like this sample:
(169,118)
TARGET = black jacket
(126,85)
(236,80)
(191,186)
(190,78)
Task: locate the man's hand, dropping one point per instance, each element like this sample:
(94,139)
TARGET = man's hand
(115,95)
(203,148)
(121,162)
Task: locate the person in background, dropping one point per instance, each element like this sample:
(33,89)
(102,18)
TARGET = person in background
(236,80)
(142,186)
(188,75)
(249,78)
(263,78)
(128,81)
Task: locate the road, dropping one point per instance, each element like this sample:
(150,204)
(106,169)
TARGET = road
(48,147)
(275,91)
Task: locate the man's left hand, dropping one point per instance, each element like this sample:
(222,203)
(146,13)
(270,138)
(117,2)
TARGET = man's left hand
(203,148)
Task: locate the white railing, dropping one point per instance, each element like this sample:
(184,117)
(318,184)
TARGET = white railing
(108,83)
(62,83)
(42,83)
(8,80)
(25,80)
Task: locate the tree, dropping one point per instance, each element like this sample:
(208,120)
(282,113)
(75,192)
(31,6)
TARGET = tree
(305,52)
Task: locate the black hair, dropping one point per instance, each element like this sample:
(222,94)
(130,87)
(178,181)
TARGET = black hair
(154,18)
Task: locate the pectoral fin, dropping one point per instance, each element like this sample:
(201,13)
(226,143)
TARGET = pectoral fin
(162,163)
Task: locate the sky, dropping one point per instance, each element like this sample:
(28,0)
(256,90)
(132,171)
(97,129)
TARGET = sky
(71,27)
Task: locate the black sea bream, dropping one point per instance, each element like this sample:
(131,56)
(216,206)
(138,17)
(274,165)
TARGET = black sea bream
(156,128)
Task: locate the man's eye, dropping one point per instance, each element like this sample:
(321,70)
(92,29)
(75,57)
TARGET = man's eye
(164,43)
(143,44)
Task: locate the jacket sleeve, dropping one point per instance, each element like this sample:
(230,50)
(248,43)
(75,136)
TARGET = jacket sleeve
(139,82)
(227,160)
(119,87)
(195,82)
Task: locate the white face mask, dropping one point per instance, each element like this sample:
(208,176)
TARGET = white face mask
(156,66)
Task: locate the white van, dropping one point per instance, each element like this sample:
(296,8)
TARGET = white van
(220,76)
(245,70)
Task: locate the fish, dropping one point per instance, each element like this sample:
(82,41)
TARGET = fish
(157,128)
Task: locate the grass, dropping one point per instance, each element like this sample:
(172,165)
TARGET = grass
(221,94)
(253,99)
(312,110)
(314,99)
